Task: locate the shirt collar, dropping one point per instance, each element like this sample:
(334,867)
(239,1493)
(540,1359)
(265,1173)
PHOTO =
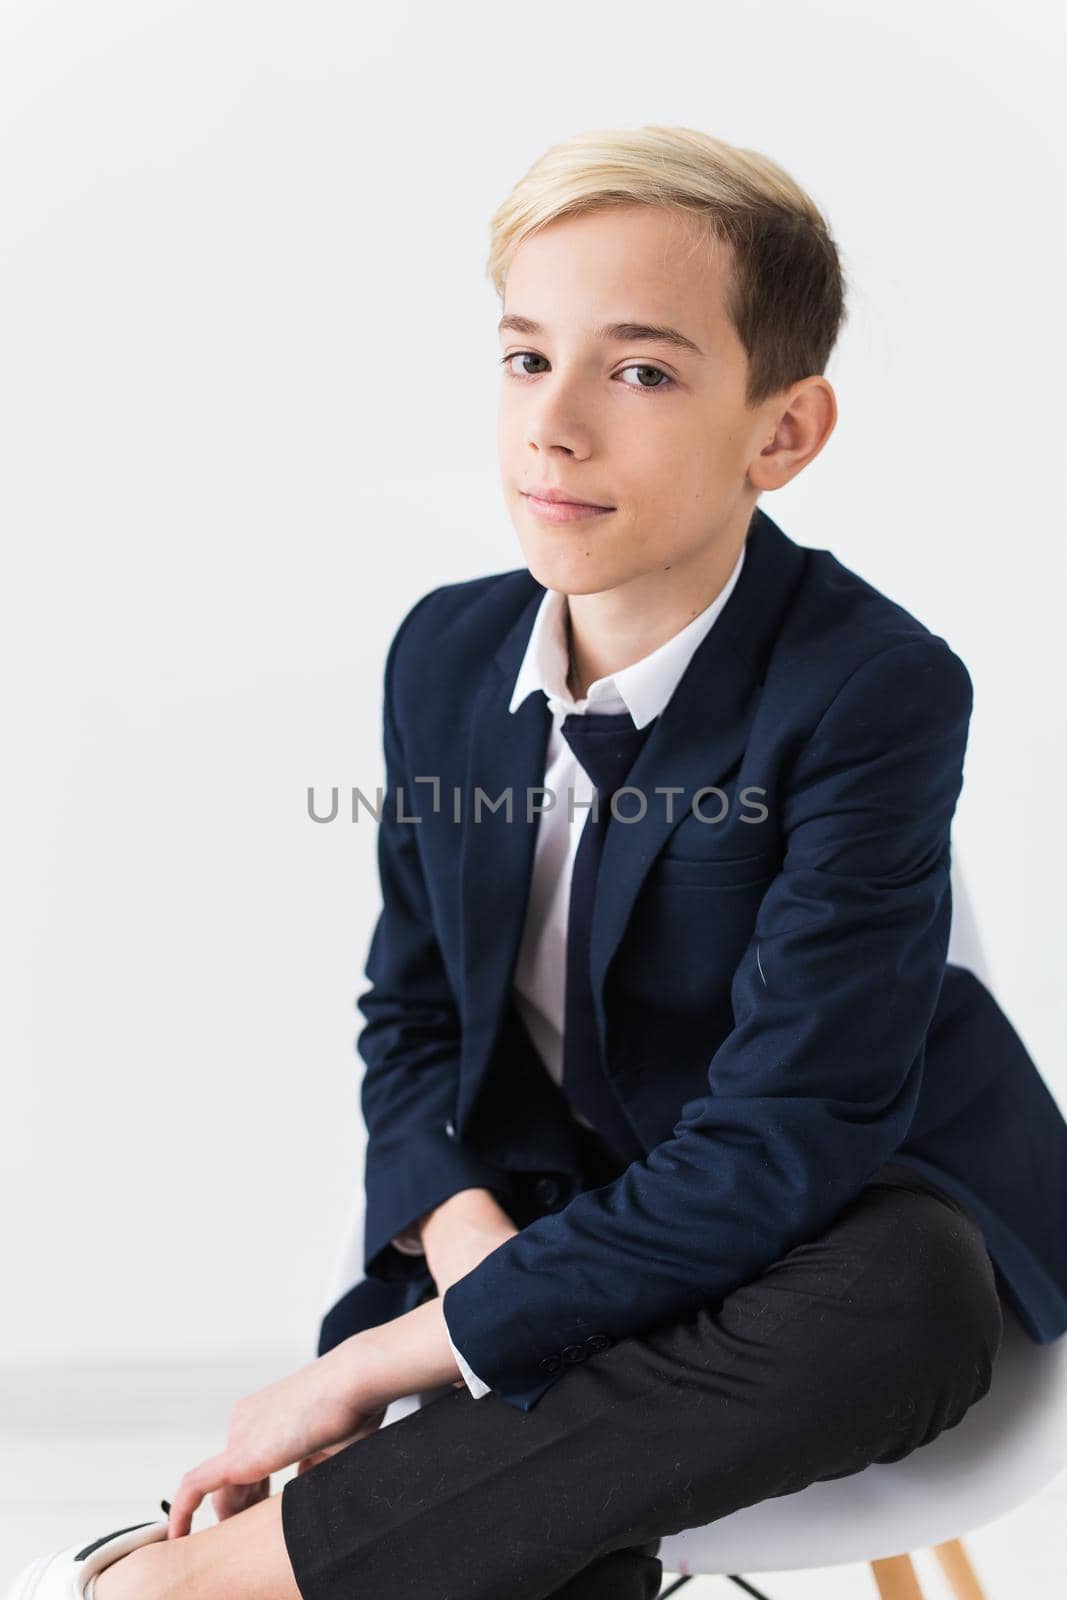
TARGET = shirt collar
(643,688)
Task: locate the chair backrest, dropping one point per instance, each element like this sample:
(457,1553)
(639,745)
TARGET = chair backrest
(965,948)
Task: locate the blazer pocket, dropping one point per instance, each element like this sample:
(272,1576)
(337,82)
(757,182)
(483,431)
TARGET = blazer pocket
(722,873)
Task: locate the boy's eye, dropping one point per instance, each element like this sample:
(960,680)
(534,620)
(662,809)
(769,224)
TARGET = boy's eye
(635,366)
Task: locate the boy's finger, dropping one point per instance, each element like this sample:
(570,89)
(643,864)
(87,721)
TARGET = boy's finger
(196,1483)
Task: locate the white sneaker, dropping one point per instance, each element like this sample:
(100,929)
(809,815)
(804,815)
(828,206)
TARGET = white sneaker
(67,1574)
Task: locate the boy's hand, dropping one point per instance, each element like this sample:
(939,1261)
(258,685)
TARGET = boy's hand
(323,1406)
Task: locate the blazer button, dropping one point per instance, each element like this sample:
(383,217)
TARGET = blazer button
(547,1191)
(550,1364)
(597,1341)
(573,1352)
(450,1128)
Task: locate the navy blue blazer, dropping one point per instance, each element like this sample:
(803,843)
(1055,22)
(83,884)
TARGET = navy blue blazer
(776,1015)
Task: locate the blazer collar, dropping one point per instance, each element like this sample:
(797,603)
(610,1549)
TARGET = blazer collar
(700,734)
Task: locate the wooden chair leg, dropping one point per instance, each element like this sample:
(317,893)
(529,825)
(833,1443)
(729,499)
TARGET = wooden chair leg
(896,1578)
(955,1564)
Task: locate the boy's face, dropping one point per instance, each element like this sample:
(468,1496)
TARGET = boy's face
(657,432)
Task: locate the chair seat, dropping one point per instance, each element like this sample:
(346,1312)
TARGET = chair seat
(1007,1447)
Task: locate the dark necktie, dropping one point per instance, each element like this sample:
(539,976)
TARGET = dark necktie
(606,746)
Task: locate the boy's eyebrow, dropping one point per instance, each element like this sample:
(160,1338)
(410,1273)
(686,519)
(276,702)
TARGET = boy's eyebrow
(619,332)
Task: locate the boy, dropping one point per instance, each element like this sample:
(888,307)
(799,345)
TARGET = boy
(695,1173)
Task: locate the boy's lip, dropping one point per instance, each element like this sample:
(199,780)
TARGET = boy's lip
(562,497)
(562,511)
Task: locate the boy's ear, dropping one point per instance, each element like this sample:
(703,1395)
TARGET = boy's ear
(803,425)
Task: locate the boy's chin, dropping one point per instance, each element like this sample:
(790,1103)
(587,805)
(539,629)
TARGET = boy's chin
(575,569)
(570,577)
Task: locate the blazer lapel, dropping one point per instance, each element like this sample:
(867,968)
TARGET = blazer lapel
(695,742)
(505,757)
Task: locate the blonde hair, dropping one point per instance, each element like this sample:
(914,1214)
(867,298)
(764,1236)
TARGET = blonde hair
(786,291)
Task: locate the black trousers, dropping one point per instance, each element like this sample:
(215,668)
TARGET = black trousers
(858,1346)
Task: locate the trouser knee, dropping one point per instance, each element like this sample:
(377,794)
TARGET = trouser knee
(865,1342)
(912,1344)
(947,1323)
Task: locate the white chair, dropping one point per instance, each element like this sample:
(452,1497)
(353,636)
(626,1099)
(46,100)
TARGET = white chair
(1007,1447)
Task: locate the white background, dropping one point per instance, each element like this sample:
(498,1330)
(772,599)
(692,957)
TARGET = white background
(247,417)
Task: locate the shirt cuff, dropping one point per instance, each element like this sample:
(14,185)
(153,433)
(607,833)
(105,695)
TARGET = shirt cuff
(470,1378)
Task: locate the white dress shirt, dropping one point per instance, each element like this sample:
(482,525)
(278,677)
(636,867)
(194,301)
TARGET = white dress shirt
(642,689)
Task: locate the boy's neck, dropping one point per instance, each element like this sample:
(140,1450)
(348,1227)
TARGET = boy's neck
(599,657)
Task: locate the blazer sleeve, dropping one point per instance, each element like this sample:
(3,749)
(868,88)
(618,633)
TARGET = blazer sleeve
(815,1085)
(410,1041)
